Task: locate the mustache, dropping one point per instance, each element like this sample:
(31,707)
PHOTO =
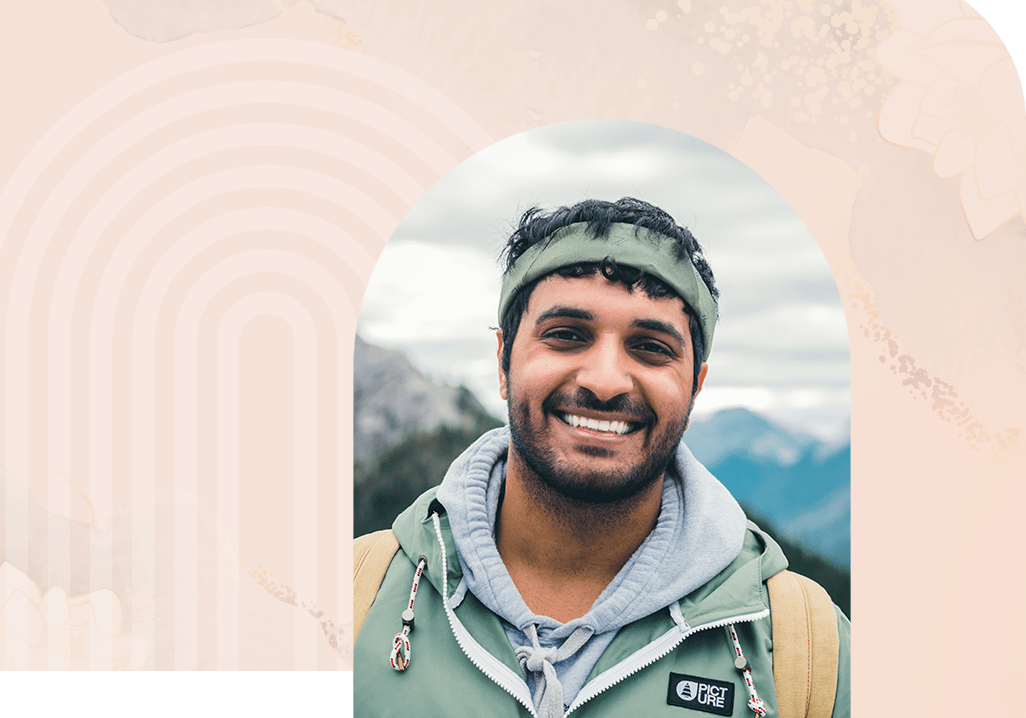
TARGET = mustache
(636,411)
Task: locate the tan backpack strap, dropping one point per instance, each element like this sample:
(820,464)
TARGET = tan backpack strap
(372,553)
(805,644)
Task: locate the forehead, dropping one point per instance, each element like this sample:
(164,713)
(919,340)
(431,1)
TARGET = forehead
(606,301)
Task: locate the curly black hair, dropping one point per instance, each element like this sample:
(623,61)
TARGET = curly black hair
(537,224)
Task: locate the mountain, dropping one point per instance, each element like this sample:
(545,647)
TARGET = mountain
(800,484)
(392,401)
(738,431)
(407,429)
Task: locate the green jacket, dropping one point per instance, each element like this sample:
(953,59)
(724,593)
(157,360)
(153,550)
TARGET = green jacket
(462,663)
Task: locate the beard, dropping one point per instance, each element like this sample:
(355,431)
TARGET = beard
(578,481)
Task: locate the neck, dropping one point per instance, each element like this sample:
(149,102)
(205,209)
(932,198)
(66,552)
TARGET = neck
(561,553)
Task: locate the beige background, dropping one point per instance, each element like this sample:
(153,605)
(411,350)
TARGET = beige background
(188,224)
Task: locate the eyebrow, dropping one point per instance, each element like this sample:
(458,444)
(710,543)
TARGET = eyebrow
(560,312)
(654,325)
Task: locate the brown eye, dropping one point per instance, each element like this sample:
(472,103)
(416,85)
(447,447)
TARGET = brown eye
(563,334)
(654,350)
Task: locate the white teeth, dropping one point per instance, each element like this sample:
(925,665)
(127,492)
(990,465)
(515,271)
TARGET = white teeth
(609,427)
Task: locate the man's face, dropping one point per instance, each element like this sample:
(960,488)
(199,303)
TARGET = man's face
(599,386)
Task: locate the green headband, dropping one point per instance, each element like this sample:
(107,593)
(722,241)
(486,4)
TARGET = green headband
(627,244)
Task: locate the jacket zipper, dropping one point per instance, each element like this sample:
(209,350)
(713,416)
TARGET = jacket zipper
(485,661)
(649,654)
(640,659)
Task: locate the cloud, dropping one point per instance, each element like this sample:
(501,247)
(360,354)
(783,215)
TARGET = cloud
(419,293)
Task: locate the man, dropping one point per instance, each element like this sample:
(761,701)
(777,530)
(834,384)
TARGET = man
(590,563)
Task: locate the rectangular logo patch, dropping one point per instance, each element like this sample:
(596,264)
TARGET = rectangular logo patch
(701,694)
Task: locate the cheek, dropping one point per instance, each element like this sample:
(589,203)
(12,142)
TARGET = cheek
(536,374)
(671,396)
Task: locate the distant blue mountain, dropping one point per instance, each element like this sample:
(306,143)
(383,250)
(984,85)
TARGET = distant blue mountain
(742,432)
(800,484)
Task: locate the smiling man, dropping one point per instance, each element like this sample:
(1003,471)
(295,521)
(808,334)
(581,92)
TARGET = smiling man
(582,560)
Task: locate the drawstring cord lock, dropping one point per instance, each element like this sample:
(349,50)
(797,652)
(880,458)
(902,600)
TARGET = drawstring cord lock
(400,656)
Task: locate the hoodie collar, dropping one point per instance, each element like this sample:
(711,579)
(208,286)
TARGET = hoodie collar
(699,532)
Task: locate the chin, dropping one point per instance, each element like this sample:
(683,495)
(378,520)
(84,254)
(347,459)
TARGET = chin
(591,484)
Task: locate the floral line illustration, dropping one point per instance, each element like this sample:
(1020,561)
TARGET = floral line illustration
(960,100)
(55,632)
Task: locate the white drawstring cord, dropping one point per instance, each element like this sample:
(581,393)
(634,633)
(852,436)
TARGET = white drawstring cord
(400,656)
(741,663)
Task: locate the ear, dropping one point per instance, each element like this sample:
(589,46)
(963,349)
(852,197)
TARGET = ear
(701,377)
(502,375)
(701,381)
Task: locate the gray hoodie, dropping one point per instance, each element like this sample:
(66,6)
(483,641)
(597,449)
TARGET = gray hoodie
(699,531)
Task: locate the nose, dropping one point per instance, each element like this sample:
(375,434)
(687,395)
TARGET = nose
(605,371)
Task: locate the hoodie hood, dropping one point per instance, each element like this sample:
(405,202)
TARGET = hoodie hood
(699,532)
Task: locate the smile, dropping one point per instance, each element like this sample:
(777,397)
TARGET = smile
(605,427)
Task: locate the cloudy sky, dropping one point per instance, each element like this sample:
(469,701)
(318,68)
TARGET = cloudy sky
(781,346)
